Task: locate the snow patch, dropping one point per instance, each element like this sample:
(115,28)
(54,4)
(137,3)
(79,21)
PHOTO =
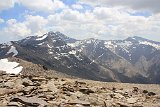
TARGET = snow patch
(10,67)
(71,44)
(92,61)
(150,44)
(110,45)
(89,42)
(125,43)
(4,46)
(50,52)
(57,58)
(78,57)
(77,43)
(53,40)
(49,46)
(69,66)
(100,56)
(12,50)
(41,43)
(134,38)
(72,52)
(42,37)
(7,44)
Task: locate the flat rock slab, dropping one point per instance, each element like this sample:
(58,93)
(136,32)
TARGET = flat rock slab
(29,101)
(4,91)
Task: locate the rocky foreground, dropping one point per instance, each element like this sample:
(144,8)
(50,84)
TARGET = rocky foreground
(40,91)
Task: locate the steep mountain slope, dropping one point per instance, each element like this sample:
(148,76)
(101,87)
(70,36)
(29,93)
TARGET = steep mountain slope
(141,53)
(133,57)
(120,69)
(51,51)
(133,48)
(154,68)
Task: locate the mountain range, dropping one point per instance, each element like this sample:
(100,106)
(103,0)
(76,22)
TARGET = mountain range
(132,60)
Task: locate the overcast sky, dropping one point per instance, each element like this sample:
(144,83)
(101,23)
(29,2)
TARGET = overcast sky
(80,19)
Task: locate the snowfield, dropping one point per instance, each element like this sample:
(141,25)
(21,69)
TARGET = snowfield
(10,67)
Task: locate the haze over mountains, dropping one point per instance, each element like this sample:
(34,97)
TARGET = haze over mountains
(134,59)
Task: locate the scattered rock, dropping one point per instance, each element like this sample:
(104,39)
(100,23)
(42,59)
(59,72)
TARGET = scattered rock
(40,79)
(118,96)
(113,89)
(80,83)
(151,93)
(49,87)
(131,100)
(67,88)
(14,104)
(2,73)
(27,82)
(123,104)
(9,84)
(86,91)
(40,91)
(13,75)
(29,89)
(74,102)
(44,67)
(135,89)
(145,91)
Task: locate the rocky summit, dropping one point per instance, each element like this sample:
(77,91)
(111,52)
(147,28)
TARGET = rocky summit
(46,91)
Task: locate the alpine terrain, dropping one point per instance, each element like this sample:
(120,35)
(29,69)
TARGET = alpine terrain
(54,70)
(134,60)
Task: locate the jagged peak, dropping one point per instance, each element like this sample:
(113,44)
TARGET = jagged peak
(60,35)
(50,34)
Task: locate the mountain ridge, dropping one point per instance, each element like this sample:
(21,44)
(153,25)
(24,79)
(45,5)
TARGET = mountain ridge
(129,60)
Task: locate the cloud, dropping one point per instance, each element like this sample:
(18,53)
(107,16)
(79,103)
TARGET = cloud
(77,6)
(36,24)
(36,5)
(33,25)
(4,5)
(16,28)
(43,5)
(103,22)
(149,5)
(1,21)
(73,23)
(13,31)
